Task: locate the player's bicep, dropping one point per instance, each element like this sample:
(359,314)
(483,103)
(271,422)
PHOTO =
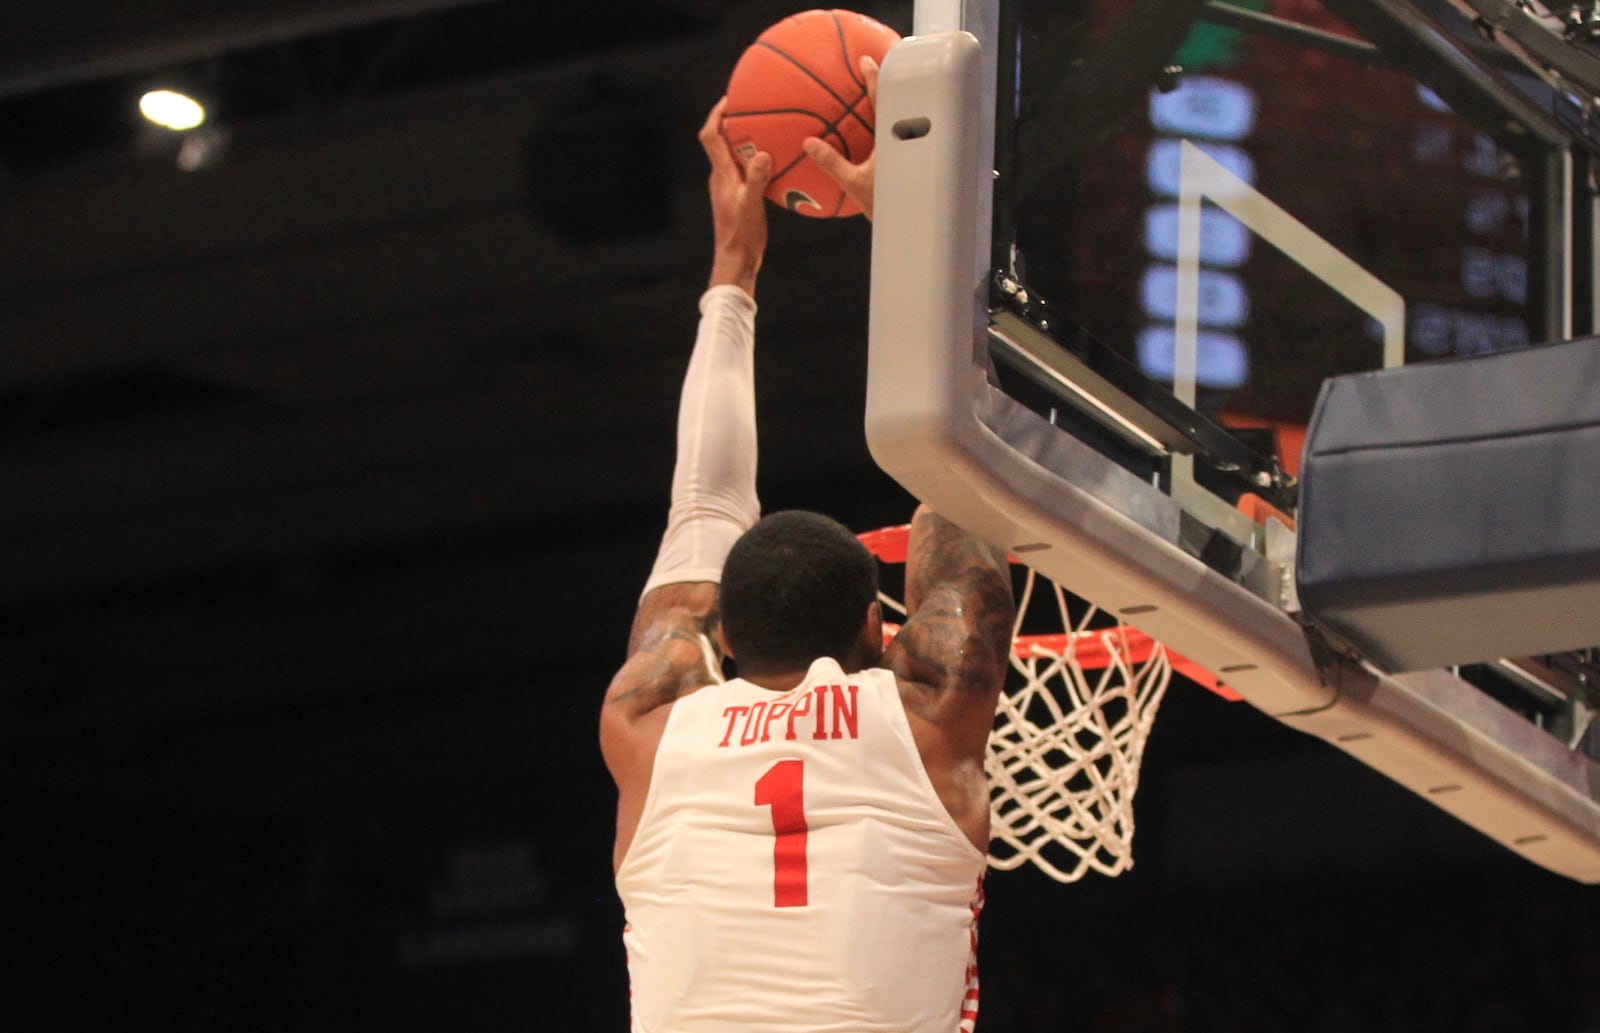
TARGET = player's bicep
(669,648)
(686,607)
(957,639)
(960,608)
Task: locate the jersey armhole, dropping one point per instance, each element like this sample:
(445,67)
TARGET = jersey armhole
(902,727)
(647,811)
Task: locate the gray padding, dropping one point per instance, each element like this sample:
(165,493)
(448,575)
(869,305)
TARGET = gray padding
(1450,511)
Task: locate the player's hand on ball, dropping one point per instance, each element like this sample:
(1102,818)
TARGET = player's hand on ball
(855,179)
(738,210)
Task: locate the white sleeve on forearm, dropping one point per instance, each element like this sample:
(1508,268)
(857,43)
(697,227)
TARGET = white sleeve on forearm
(714,482)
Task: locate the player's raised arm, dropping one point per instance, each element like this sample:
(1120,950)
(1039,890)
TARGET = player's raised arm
(738,208)
(714,479)
(957,634)
(950,660)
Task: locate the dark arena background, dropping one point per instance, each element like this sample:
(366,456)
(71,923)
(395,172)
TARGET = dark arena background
(335,440)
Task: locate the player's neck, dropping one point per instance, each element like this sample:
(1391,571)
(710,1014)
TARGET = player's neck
(781,681)
(857,659)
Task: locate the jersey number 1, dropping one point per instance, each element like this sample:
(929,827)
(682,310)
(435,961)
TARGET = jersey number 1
(782,789)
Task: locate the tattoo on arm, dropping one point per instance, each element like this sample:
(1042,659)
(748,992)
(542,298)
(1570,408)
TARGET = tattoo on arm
(944,553)
(947,648)
(667,651)
(961,604)
(653,679)
(679,612)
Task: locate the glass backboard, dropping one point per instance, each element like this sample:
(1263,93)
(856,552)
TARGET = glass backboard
(1118,247)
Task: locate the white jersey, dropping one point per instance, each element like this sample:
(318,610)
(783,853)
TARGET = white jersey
(794,870)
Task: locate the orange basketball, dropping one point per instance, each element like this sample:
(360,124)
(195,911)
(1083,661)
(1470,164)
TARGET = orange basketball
(800,78)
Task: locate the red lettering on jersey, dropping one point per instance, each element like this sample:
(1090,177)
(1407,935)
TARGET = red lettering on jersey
(847,712)
(752,724)
(838,720)
(774,713)
(821,692)
(732,714)
(800,708)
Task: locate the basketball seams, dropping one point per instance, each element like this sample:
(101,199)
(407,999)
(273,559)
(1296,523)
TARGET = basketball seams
(828,128)
(850,70)
(849,105)
(753,112)
(844,51)
(787,168)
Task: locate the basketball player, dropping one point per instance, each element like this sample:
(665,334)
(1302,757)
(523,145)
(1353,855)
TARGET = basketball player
(800,848)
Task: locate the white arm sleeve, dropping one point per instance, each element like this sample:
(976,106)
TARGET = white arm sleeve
(714,482)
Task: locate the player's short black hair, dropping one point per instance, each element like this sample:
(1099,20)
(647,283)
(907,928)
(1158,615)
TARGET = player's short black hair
(795,587)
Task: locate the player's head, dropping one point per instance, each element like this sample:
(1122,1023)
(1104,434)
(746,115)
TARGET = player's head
(798,586)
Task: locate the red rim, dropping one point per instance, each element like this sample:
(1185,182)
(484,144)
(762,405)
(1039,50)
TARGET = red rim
(1090,651)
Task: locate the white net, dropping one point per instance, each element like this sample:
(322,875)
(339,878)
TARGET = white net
(1069,737)
(1067,745)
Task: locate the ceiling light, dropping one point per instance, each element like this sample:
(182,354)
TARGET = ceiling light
(172,110)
